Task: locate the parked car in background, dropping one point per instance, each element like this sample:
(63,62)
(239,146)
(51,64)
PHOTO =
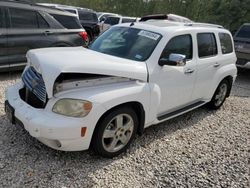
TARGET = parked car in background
(242,46)
(170,17)
(114,20)
(26,26)
(103,15)
(88,18)
(130,77)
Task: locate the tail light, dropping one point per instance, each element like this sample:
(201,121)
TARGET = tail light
(84,35)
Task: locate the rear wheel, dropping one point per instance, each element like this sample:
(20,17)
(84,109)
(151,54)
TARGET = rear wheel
(87,41)
(115,132)
(220,95)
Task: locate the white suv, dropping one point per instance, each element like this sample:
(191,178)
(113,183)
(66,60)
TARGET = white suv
(132,76)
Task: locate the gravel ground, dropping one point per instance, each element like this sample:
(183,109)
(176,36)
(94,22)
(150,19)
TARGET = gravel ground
(199,149)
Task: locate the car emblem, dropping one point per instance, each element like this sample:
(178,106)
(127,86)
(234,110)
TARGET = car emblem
(34,83)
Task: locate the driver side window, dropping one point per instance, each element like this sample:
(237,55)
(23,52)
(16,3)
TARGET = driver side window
(181,44)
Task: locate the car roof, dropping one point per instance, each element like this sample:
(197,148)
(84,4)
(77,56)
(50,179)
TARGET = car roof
(68,7)
(164,26)
(32,6)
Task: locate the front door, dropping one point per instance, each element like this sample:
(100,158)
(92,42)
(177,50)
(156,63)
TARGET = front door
(176,82)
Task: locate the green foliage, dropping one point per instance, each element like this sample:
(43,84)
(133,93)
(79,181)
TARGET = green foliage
(229,13)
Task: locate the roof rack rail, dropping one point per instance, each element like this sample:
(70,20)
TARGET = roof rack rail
(20,1)
(204,25)
(28,2)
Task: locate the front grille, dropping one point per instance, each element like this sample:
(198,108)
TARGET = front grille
(34,83)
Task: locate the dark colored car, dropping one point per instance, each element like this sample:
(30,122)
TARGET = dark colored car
(88,18)
(89,21)
(242,46)
(26,26)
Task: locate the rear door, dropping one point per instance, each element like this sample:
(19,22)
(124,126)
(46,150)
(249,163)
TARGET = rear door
(3,40)
(208,64)
(27,31)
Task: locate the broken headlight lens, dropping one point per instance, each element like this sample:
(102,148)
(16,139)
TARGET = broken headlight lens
(72,107)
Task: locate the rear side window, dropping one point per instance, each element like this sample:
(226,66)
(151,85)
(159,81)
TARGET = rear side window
(112,20)
(226,43)
(41,22)
(104,17)
(71,11)
(23,18)
(244,32)
(26,19)
(127,20)
(179,45)
(206,44)
(69,22)
(88,16)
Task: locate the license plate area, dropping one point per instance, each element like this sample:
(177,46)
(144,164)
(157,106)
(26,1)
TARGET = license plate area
(10,112)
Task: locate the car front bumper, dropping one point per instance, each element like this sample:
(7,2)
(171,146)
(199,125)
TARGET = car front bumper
(56,131)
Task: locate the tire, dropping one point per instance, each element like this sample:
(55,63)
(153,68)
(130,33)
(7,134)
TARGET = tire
(220,95)
(87,42)
(115,132)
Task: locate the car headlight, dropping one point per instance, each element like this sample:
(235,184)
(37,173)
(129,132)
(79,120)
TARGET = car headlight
(72,107)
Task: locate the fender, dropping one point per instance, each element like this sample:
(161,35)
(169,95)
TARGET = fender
(112,95)
(223,72)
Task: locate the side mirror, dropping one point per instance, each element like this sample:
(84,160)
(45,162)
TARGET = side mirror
(173,60)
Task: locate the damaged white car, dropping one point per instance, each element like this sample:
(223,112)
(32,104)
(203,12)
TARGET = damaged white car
(131,77)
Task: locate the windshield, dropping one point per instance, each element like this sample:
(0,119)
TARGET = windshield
(127,42)
(244,32)
(112,20)
(87,16)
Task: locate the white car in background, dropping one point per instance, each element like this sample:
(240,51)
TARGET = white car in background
(114,20)
(131,77)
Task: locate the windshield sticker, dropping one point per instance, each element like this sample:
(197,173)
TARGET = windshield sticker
(148,34)
(138,56)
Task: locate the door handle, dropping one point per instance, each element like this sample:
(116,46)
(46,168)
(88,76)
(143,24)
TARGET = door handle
(48,32)
(216,65)
(189,71)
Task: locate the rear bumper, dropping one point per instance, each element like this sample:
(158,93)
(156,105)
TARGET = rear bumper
(56,131)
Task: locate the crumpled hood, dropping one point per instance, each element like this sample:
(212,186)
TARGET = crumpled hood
(51,62)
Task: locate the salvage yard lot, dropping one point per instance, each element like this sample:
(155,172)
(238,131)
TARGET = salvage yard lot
(198,149)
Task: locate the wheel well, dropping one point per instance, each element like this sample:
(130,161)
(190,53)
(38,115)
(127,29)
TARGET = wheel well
(230,81)
(139,110)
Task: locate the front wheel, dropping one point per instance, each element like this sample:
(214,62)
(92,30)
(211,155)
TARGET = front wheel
(220,95)
(115,132)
